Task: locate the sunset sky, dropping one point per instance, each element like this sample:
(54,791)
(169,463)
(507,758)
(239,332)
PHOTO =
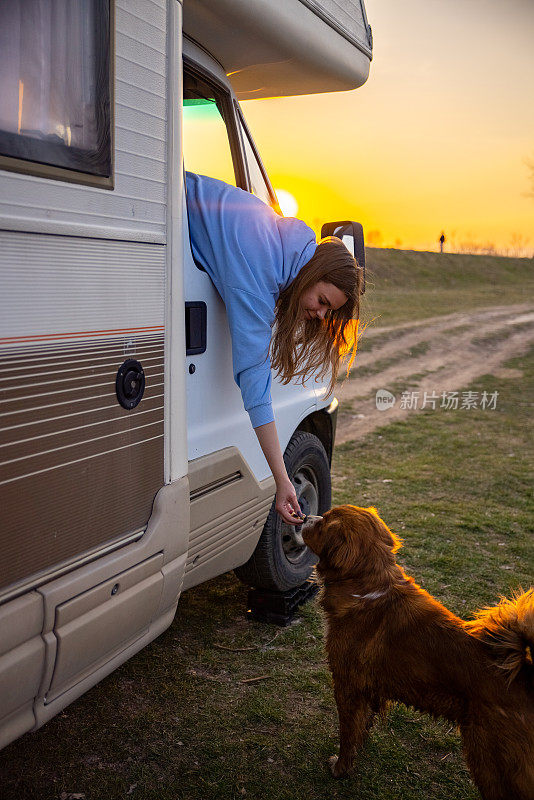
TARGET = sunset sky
(437,139)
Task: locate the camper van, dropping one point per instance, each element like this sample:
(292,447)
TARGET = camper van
(129,471)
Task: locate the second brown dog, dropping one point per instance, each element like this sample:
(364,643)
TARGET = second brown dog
(388,639)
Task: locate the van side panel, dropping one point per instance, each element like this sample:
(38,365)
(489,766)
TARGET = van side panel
(228,510)
(84,289)
(103,620)
(136,208)
(76,467)
(21,663)
(94,546)
(98,616)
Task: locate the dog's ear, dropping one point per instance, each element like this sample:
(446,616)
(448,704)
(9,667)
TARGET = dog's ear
(382,532)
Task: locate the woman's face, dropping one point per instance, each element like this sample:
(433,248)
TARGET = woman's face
(316,300)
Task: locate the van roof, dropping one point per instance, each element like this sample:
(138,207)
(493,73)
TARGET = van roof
(271,48)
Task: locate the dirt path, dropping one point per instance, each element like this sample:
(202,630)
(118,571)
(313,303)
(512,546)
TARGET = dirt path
(441,354)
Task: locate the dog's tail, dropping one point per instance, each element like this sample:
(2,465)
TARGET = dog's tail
(509,629)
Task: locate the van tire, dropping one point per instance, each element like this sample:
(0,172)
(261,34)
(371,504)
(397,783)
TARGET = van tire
(275,563)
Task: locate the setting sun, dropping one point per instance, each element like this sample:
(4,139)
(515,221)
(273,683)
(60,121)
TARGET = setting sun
(431,142)
(288,204)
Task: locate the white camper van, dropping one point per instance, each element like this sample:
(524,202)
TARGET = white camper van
(129,471)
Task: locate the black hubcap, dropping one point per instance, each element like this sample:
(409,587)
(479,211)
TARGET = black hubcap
(305,483)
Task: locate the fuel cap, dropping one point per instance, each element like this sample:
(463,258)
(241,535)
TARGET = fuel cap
(130,384)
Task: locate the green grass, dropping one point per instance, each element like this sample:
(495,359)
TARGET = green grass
(177,722)
(367,343)
(457,492)
(404,384)
(403,285)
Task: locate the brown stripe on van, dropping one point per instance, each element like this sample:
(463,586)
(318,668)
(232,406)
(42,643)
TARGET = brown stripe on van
(77,471)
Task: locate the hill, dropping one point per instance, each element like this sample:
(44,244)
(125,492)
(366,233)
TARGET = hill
(406,284)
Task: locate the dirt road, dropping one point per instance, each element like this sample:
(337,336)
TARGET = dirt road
(441,354)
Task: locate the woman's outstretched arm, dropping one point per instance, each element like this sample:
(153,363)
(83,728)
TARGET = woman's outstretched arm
(286,498)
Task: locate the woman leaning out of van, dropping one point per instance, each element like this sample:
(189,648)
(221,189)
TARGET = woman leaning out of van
(270,271)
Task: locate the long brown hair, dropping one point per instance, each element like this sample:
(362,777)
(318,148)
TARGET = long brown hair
(301,347)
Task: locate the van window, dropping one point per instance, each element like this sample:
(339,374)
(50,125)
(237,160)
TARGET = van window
(206,142)
(258,184)
(55,84)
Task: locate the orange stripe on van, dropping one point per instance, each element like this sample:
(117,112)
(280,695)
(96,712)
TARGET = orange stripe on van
(44,337)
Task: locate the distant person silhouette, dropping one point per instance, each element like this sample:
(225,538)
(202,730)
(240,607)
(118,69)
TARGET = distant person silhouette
(441,242)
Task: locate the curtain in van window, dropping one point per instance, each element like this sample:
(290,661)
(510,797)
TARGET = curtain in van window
(52,85)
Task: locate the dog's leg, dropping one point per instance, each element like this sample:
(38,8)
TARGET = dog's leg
(488,763)
(355,718)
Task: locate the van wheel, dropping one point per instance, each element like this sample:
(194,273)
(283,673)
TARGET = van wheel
(279,563)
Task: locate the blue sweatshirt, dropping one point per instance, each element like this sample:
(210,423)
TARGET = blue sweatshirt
(251,254)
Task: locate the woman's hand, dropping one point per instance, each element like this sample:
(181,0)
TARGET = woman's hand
(286,498)
(287,503)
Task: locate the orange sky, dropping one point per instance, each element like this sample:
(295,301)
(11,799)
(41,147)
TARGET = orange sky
(436,139)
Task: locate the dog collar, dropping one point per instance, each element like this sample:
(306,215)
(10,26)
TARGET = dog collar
(372,595)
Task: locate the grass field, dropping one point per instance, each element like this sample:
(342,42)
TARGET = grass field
(405,285)
(184,721)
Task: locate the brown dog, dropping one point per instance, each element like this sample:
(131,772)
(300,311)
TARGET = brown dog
(388,639)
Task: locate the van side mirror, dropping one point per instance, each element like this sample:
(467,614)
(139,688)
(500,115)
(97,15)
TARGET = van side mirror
(351,234)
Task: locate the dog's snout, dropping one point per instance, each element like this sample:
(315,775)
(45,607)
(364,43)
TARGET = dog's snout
(309,522)
(310,519)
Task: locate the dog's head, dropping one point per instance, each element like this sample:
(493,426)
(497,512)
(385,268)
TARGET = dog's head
(348,538)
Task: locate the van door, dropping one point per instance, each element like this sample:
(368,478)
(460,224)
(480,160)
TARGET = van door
(215,414)
(258,179)
(229,505)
